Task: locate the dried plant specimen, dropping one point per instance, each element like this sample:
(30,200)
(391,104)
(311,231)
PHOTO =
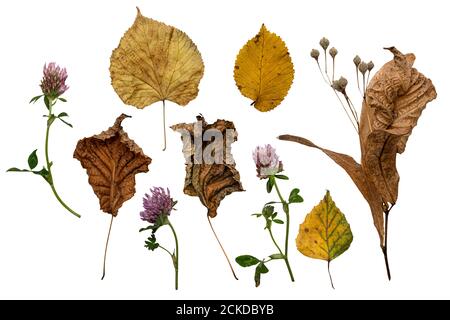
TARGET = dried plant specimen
(112,160)
(211,172)
(269,166)
(392,104)
(263,70)
(157,208)
(53,86)
(155,62)
(325,234)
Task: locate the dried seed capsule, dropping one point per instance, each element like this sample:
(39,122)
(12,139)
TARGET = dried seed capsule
(315,54)
(333,52)
(324,43)
(362,67)
(370,65)
(336,86)
(342,83)
(356,60)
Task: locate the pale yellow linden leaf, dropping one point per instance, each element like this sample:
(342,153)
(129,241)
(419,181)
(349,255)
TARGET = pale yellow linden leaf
(263,70)
(155,62)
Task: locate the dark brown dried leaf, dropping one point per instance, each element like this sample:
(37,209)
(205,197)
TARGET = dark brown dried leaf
(210,182)
(112,160)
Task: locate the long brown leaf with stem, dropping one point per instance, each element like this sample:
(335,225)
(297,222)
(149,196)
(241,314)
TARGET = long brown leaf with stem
(112,160)
(393,102)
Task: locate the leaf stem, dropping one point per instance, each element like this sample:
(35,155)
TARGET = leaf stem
(49,165)
(286,242)
(223,250)
(329,274)
(176,258)
(106,247)
(384,248)
(164,124)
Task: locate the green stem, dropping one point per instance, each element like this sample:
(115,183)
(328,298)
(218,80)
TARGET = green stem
(286,241)
(176,255)
(273,239)
(161,247)
(47,160)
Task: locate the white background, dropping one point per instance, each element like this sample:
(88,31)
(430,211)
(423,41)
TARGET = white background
(47,253)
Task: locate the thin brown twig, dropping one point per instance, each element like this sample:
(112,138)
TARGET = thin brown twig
(328,82)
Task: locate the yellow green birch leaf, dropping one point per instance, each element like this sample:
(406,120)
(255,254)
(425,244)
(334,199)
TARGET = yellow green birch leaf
(325,234)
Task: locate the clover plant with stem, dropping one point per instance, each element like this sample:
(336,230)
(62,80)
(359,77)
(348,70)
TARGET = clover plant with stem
(268,167)
(53,86)
(157,208)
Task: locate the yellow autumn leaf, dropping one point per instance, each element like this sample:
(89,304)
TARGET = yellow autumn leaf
(325,234)
(263,70)
(155,62)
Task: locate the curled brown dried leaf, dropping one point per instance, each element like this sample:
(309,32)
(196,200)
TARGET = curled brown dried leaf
(393,103)
(112,160)
(211,172)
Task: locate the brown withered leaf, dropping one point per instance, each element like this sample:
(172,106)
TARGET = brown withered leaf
(211,171)
(394,101)
(112,160)
(212,181)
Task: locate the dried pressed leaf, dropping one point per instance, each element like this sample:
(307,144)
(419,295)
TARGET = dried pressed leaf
(263,70)
(112,160)
(210,182)
(325,234)
(394,101)
(155,62)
